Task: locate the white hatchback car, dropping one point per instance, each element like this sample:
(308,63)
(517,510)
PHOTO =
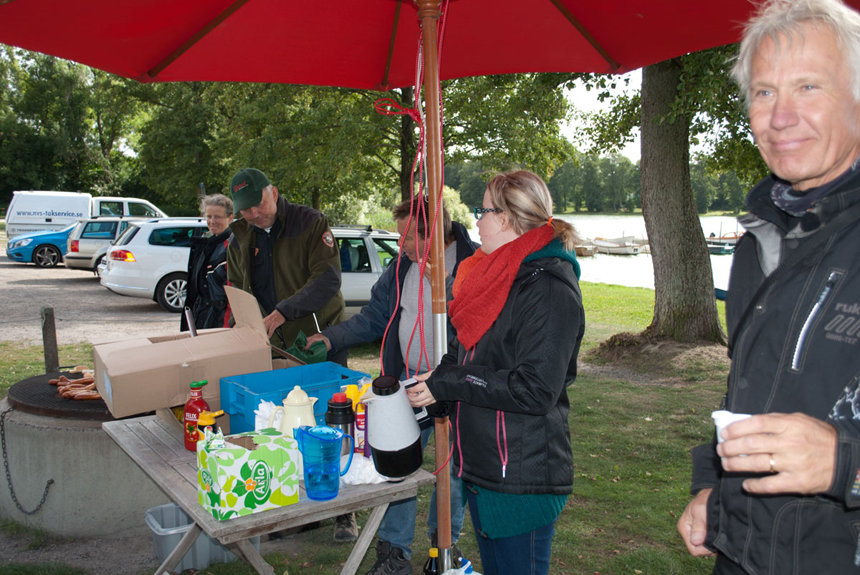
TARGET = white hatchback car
(150,260)
(364,255)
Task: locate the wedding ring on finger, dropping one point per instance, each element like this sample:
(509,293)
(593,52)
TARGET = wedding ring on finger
(772,470)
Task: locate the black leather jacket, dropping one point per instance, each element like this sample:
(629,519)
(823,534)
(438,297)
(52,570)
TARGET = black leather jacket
(794,349)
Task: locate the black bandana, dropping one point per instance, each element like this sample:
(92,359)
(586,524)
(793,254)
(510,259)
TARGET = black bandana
(798,203)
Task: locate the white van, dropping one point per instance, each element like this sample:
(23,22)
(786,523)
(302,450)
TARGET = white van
(43,211)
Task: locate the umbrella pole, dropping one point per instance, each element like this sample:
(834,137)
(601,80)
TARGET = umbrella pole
(428,14)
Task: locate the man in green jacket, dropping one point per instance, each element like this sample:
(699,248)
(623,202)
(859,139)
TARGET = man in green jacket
(286,256)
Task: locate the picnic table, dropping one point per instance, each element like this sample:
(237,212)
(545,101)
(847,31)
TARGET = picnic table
(157,447)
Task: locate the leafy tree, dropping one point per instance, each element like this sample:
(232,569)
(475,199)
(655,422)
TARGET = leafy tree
(704,187)
(507,121)
(565,186)
(619,186)
(176,150)
(682,100)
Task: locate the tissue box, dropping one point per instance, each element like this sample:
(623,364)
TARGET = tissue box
(253,472)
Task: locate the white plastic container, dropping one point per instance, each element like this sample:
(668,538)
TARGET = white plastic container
(169,523)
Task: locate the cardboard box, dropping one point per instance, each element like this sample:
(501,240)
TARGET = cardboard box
(254,472)
(145,374)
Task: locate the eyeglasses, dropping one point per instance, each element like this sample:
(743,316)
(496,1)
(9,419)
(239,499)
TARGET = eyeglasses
(479,212)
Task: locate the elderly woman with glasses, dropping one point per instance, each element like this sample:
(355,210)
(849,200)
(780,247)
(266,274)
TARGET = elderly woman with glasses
(207,267)
(518,313)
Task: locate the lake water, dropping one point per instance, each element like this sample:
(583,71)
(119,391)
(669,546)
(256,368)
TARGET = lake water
(637,271)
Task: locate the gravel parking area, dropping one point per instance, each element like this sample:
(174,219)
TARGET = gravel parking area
(84,310)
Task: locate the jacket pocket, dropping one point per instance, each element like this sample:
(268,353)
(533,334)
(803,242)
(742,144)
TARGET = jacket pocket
(802,339)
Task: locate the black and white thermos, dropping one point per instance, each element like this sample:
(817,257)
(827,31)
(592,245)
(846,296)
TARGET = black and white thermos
(340,415)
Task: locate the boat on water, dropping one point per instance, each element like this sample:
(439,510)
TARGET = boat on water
(585,250)
(623,246)
(720,249)
(728,238)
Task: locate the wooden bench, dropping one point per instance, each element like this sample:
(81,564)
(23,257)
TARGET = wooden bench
(158,449)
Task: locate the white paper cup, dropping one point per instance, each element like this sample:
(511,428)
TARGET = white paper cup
(723,419)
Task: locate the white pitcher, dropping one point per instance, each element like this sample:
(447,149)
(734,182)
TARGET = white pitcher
(298,410)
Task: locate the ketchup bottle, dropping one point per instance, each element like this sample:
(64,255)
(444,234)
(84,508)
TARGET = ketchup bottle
(192,410)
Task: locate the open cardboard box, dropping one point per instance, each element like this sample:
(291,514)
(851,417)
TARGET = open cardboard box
(146,374)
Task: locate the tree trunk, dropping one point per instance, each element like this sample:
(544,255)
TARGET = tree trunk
(407,144)
(685,308)
(315,199)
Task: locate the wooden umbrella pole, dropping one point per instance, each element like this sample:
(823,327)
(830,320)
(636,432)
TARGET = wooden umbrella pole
(428,14)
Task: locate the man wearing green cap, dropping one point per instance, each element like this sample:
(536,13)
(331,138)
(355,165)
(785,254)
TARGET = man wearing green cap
(285,255)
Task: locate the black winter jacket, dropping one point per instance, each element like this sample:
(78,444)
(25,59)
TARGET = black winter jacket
(207,275)
(522,366)
(794,348)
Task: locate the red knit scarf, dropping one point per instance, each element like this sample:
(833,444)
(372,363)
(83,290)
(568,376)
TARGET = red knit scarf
(484,290)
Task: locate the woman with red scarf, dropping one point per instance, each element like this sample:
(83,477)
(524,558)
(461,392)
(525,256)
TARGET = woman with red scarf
(518,313)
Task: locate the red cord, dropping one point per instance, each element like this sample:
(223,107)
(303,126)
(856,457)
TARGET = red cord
(450,451)
(390,107)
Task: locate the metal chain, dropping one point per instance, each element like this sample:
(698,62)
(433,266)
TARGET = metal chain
(9,477)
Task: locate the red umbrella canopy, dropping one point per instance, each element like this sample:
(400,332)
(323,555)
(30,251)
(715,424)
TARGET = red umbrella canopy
(369,44)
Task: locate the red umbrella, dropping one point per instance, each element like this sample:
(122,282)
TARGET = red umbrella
(367,44)
(370,44)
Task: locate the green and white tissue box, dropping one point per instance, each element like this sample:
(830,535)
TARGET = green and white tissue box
(253,472)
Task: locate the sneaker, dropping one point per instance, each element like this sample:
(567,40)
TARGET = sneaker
(390,561)
(345,528)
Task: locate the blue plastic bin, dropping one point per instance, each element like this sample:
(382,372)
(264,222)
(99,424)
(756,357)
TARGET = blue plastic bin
(241,394)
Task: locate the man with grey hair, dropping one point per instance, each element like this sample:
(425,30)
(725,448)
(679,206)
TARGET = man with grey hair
(781,492)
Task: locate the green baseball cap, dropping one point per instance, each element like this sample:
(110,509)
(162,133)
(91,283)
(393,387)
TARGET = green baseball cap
(247,187)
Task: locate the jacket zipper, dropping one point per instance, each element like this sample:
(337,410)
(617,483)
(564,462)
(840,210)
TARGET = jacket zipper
(832,279)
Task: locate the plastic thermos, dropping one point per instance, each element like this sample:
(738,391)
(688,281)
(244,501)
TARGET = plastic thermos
(340,415)
(192,410)
(431,566)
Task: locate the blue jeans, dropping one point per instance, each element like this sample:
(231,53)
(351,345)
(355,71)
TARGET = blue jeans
(398,523)
(526,554)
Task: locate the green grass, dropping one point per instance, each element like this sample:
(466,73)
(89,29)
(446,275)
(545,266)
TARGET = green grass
(20,361)
(630,445)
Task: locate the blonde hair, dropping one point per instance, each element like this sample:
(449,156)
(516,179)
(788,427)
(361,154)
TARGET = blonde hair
(528,203)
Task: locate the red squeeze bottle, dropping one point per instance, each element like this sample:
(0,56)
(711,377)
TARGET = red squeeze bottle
(192,410)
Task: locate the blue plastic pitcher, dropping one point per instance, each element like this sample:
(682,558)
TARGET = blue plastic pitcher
(320,449)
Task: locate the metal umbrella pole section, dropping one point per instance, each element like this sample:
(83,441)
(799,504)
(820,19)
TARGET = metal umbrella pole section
(428,14)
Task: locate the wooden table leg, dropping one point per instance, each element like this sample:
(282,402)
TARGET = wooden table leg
(180,550)
(249,553)
(353,562)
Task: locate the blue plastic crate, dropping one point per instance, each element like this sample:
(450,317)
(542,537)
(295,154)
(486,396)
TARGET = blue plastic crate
(241,394)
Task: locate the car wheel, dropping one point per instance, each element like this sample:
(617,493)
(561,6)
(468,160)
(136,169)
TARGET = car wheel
(96,267)
(170,292)
(47,256)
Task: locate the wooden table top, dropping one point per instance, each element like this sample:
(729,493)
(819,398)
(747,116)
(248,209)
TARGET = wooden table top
(158,448)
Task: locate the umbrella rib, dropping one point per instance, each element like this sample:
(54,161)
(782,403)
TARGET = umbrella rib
(394,25)
(586,34)
(195,38)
